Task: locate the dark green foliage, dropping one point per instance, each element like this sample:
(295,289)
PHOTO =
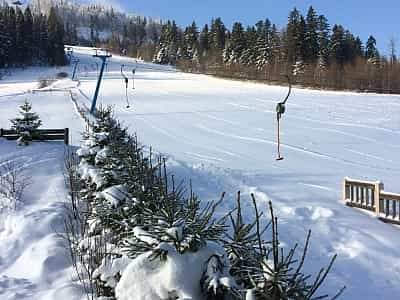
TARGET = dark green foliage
(311,36)
(24,38)
(55,48)
(370,48)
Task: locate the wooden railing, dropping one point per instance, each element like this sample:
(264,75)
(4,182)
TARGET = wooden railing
(42,134)
(371,196)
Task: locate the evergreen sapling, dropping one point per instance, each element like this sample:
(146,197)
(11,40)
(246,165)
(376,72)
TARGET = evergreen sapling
(26,126)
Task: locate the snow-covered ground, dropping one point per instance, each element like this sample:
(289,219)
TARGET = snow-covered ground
(221,134)
(34,263)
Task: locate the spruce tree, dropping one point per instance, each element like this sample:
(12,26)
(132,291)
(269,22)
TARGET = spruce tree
(323,39)
(27,124)
(302,43)
(311,37)
(371,52)
(263,49)
(28,38)
(55,52)
(19,36)
(217,35)
(249,54)
(11,47)
(337,45)
(3,37)
(237,42)
(190,40)
(204,42)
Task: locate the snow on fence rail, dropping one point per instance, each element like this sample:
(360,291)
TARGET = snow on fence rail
(43,134)
(371,196)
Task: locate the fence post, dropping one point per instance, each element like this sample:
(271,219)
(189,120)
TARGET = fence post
(344,189)
(66,136)
(377,194)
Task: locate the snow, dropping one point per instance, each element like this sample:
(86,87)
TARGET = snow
(221,134)
(34,263)
(175,232)
(109,268)
(91,173)
(163,277)
(115,195)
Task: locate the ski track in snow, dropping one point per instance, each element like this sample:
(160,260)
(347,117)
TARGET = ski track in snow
(221,134)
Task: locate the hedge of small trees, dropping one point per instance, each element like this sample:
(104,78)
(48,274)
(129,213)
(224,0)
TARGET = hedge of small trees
(124,205)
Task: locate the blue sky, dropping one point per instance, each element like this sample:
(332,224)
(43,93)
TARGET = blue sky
(380,18)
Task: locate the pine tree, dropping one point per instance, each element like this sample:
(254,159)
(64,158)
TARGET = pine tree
(337,52)
(11,46)
(323,39)
(311,36)
(217,35)
(3,37)
(55,52)
(44,39)
(27,124)
(301,41)
(275,44)
(28,38)
(204,42)
(190,40)
(237,42)
(292,32)
(263,49)
(19,36)
(249,54)
(371,52)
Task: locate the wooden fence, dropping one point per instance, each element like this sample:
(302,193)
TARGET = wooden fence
(371,196)
(43,134)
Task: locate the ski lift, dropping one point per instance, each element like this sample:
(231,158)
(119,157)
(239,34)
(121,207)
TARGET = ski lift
(280,110)
(133,76)
(126,80)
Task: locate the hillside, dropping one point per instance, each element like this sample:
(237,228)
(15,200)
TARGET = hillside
(221,134)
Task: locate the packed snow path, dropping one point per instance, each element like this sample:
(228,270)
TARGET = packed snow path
(222,134)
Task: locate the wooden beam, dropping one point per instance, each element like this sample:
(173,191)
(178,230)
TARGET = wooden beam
(390,196)
(43,134)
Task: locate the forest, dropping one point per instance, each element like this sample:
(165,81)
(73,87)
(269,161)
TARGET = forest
(28,38)
(315,53)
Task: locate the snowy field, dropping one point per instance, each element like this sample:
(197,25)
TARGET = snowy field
(221,134)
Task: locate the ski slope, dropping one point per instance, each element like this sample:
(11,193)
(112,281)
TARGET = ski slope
(222,134)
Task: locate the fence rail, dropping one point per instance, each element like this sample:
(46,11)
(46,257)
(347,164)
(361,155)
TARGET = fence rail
(42,134)
(370,196)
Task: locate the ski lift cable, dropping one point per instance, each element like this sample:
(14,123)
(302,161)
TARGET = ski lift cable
(280,110)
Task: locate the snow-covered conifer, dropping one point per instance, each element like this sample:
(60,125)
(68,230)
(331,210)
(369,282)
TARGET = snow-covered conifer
(27,124)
